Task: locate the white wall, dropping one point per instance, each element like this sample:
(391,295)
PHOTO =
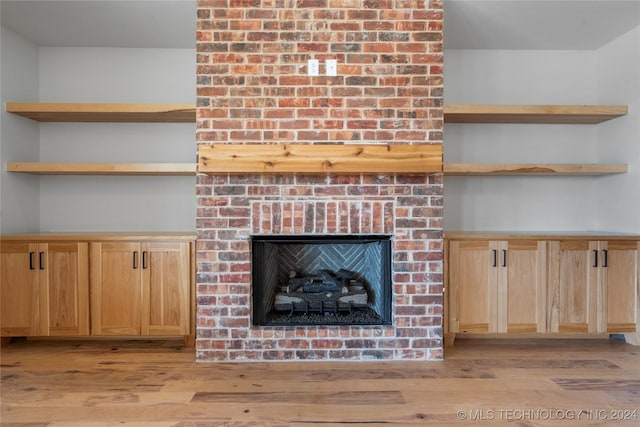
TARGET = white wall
(98,203)
(117,74)
(19,194)
(520,203)
(619,140)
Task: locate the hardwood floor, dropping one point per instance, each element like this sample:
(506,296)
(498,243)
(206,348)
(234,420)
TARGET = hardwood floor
(481,382)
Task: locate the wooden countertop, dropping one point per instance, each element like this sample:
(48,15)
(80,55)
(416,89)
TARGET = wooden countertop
(100,236)
(191,235)
(538,235)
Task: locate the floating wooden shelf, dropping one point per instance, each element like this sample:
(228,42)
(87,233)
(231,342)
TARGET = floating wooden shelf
(103,168)
(306,158)
(554,114)
(459,113)
(83,112)
(479,169)
(185,169)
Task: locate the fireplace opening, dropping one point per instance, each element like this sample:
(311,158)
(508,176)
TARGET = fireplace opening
(321,280)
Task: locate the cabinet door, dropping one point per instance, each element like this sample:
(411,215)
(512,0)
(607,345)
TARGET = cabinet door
(165,288)
(115,288)
(19,292)
(522,284)
(64,268)
(573,278)
(473,286)
(618,292)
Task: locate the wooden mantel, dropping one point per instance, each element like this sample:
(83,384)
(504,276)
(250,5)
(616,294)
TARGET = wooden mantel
(319,158)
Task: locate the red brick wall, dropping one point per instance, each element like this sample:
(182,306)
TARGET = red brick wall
(253,87)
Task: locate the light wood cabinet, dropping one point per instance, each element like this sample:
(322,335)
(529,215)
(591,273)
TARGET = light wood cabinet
(593,286)
(496,286)
(472,287)
(572,287)
(44,288)
(115,288)
(529,284)
(140,288)
(165,288)
(522,288)
(141,285)
(618,293)
(66,270)
(20,292)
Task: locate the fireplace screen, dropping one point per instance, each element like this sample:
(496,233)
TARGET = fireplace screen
(321,280)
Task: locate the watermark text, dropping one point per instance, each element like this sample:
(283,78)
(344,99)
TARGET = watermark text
(551,414)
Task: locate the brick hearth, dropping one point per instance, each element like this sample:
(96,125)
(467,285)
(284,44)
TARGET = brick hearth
(253,88)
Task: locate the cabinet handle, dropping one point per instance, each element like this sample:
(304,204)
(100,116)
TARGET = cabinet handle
(144,259)
(605,258)
(135,259)
(504,257)
(41,260)
(595,258)
(31,266)
(495,258)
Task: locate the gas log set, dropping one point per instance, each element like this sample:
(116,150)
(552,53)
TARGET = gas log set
(324,292)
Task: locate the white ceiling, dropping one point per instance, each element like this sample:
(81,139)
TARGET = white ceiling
(469,24)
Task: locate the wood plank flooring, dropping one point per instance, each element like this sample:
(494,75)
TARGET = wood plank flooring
(481,382)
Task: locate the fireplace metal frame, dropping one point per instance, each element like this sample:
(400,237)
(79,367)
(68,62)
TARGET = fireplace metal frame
(259,263)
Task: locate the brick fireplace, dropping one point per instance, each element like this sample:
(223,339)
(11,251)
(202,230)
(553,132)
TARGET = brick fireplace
(254,88)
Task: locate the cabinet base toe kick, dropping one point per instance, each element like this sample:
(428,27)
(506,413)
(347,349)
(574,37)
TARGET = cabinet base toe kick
(178,340)
(632,338)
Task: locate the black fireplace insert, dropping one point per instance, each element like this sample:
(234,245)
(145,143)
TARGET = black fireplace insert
(321,280)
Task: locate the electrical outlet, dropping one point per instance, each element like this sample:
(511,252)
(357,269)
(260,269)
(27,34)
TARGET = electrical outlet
(313,67)
(332,67)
